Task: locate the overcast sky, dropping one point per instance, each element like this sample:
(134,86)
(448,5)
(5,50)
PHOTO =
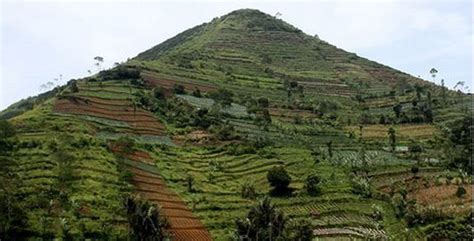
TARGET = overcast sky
(41,40)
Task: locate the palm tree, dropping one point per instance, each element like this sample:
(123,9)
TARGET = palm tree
(145,220)
(99,60)
(263,222)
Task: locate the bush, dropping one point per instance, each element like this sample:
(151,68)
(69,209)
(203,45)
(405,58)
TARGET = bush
(224,132)
(222,96)
(299,230)
(279,179)
(126,144)
(159,93)
(361,186)
(460,192)
(312,184)
(120,72)
(248,191)
(190,183)
(6,129)
(414,170)
(178,89)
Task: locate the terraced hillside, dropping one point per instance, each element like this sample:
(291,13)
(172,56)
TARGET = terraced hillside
(198,125)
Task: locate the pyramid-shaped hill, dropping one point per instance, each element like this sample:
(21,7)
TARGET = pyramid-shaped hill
(250,42)
(210,122)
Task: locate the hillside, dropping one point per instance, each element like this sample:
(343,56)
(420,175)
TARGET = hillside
(195,125)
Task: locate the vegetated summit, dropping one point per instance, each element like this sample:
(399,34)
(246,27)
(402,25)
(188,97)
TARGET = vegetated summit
(233,125)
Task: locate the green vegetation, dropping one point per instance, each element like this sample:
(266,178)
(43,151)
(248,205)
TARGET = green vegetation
(243,127)
(145,220)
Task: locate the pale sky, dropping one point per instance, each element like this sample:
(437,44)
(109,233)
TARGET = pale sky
(39,40)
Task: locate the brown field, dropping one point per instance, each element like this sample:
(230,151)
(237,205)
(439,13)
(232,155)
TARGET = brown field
(139,120)
(402,132)
(443,197)
(183,225)
(152,80)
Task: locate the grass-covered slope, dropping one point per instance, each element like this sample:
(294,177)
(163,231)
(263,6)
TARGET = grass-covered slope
(196,123)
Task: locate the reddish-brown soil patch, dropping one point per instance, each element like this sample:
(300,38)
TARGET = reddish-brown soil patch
(443,197)
(153,80)
(139,120)
(184,226)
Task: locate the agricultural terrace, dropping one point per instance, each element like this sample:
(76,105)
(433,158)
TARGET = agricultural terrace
(403,132)
(70,183)
(218,177)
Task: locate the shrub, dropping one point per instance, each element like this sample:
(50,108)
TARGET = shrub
(120,72)
(361,186)
(126,144)
(460,192)
(299,230)
(178,89)
(223,132)
(312,184)
(414,170)
(6,129)
(159,93)
(190,183)
(263,102)
(279,178)
(73,86)
(222,96)
(197,93)
(248,191)
(262,222)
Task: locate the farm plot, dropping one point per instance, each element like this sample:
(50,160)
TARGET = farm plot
(323,88)
(235,110)
(372,158)
(290,115)
(156,80)
(403,132)
(149,184)
(444,197)
(219,176)
(138,121)
(92,188)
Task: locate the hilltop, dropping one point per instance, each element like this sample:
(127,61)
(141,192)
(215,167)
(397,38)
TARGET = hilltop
(196,124)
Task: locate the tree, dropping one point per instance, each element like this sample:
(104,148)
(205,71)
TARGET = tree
(317,154)
(279,179)
(99,60)
(73,86)
(178,89)
(433,73)
(299,230)
(6,129)
(415,149)
(397,109)
(197,92)
(222,96)
(263,102)
(263,222)
(443,92)
(312,184)
(460,192)
(392,138)
(361,186)
(190,183)
(330,151)
(145,220)
(414,169)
